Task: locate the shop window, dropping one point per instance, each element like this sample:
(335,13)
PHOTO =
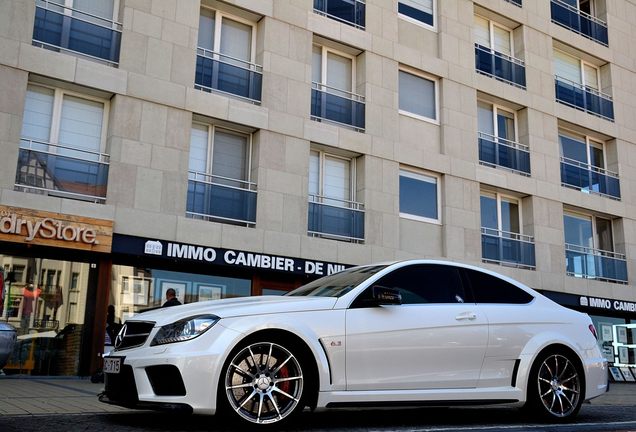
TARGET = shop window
(62,145)
(219,179)
(418,11)
(502,240)
(419,196)
(226,55)
(333,209)
(418,95)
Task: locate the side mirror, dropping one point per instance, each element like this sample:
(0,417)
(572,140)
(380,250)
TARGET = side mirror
(386,296)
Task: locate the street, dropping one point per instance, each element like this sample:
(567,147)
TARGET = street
(591,418)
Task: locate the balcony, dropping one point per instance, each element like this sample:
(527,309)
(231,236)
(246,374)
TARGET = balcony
(62,171)
(516,2)
(579,22)
(507,248)
(589,179)
(60,28)
(228,200)
(347,11)
(500,152)
(333,218)
(500,66)
(337,106)
(584,98)
(598,264)
(219,72)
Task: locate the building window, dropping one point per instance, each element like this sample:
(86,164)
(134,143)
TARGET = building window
(497,138)
(502,240)
(62,145)
(350,12)
(580,16)
(226,56)
(85,27)
(589,248)
(578,85)
(418,11)
(494,52)
(333,210)
(219,183)
(583,165)
(418,96)
(419,196)
(333,83)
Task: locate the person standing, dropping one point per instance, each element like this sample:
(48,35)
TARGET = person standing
(171,298)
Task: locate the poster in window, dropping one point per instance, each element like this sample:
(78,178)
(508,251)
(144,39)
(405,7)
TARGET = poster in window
(606,333)
(608,351)
(621,334)
(615,373)
(178,287)
(627,374)
(210,292)
(623,355)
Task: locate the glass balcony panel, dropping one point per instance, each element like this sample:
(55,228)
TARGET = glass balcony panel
(584,98)
(595,264)
(217,72)
(208,197)
(579,22)
(509,248)
(348,11)
(43,167)
(346,110)
(100,39)
(583,177)
(500,152)
(500,66)
(332,220)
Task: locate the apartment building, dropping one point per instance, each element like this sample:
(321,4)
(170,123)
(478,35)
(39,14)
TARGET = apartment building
(244,147)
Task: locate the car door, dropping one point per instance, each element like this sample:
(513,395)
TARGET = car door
(435,339)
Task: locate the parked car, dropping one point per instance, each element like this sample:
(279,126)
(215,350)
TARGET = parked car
(410,332)
(7,341)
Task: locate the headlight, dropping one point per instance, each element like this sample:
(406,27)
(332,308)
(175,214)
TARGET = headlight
(185,329)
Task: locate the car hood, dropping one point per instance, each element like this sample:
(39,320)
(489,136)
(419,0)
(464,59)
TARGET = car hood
(243,306)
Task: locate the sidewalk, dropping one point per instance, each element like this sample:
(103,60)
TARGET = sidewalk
(41,396)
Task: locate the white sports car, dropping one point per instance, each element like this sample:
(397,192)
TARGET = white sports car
(414,332)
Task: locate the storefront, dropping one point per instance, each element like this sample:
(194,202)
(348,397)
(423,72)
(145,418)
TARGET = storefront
(615,323)
(51,266)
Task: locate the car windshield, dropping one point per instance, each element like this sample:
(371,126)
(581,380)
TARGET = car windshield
(337,284)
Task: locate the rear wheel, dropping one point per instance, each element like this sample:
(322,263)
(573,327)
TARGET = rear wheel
(555,387)
(264,382)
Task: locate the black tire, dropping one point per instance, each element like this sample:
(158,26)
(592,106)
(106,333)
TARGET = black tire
(263,382)
(556,386)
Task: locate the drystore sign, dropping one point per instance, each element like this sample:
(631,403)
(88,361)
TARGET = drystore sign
(55,229)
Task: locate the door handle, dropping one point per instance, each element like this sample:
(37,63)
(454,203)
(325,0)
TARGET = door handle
(466,316)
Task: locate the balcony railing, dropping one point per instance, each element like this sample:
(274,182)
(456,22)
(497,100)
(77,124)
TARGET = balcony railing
(584,98)
(500,66)
(591,263)
(579,22)
(220,72)
(516,2)
(500,152)
(589,178)
(329,217)
(507,248)
(214,197)
(61,28)
(338,106)
(62,171)
(347,11)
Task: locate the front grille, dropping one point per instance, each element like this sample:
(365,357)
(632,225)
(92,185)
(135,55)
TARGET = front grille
(166,380)
(133,334)
(121,387)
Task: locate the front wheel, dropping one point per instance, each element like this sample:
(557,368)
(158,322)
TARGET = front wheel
(263,382)
(555,387)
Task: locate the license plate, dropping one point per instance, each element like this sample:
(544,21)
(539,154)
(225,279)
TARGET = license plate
(112,365)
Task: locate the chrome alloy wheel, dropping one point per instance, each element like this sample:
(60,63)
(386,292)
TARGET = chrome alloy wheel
(559,385)
(264,382)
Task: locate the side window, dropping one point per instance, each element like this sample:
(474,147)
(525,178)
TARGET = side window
(491,289)
(426,283)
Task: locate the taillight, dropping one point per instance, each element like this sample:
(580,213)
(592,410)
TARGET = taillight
(593,330)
